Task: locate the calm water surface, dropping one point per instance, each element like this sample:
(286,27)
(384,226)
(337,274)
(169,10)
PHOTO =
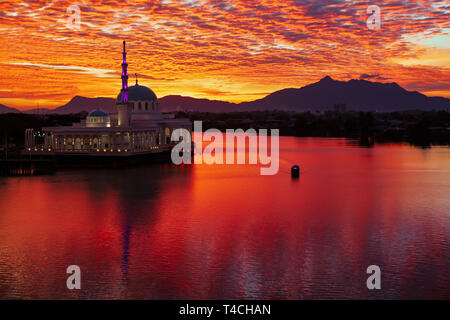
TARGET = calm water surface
(225,232)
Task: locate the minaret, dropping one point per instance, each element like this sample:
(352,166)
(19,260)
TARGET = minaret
(124,91)
(124,109)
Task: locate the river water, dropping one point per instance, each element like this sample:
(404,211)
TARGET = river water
(226,232)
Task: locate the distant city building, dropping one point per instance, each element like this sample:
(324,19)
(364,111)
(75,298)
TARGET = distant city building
(138,127)
(340,107)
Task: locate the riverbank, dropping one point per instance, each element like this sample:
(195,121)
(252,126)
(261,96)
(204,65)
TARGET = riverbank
(422,128)
(27,167)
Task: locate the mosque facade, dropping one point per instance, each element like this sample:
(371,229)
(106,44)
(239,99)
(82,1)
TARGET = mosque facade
(138,127)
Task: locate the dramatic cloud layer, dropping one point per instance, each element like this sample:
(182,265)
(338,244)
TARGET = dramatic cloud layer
(232,50)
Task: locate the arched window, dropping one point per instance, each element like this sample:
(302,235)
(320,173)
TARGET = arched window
(77,144)
(167,132)
(153,106)
(146,106)
(140,106)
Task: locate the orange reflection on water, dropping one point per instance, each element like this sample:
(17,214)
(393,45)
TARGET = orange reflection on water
(227,232)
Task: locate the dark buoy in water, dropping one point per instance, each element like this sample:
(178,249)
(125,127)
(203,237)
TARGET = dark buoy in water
(295,172)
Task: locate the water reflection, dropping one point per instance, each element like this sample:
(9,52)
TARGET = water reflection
(206,232)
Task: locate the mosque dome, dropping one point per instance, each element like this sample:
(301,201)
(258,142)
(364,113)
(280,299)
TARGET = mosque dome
(139,93)
(98,118)
(97,113)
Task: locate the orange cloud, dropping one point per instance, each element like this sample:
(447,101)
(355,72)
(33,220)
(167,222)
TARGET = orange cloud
(232,50)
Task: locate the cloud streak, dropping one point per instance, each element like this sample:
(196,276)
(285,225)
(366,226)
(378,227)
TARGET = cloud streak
(220,49)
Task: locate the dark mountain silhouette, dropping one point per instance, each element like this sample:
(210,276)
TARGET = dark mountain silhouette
(357,95)
(39,111)
(79,104)
(5,109)
(167,103)
(180,103)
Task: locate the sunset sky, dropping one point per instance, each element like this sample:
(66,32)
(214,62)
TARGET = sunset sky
(237,50)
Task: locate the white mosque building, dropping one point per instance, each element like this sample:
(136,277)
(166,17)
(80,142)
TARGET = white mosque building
(137,128)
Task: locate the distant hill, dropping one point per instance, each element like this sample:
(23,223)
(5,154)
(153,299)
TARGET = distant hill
(357,95)
(78,104)
(167,103)
(5,109)
(178,103)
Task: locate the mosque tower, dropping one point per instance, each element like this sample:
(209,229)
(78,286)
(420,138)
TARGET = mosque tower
(124,90)
(123,107)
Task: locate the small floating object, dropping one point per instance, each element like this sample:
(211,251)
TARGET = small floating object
(295,171)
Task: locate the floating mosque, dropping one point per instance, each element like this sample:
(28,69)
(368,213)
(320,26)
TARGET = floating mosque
(138,127)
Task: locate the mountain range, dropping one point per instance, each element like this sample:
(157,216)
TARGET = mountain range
(357,95)
(5,109)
